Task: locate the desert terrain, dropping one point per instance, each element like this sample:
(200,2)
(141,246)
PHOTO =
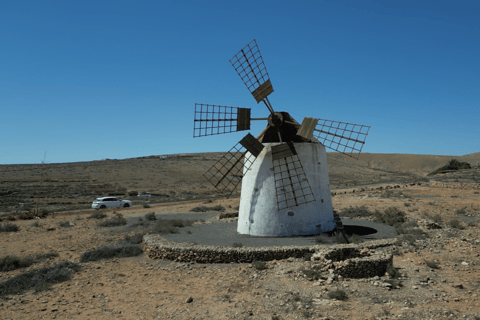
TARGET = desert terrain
(78,263)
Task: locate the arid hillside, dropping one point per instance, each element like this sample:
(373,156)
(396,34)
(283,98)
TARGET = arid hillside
(61,186)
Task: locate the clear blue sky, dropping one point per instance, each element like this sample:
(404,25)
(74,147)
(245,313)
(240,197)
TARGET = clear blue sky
(86,80)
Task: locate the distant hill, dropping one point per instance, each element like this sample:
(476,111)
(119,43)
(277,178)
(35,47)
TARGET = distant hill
(182,175)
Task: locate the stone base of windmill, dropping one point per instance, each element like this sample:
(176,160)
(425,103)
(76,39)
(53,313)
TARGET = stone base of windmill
(262,211)
(348,261)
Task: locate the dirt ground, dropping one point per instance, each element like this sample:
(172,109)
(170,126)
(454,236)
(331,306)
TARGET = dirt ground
(140,288)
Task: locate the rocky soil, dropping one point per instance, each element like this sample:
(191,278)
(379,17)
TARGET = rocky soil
(434,277)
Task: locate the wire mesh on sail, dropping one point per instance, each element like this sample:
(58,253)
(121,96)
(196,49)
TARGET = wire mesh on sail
(249,65)
(227,172)
(213,119)
(291,185)
(347,138)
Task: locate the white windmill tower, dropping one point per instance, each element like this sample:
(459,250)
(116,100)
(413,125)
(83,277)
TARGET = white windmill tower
(285,189)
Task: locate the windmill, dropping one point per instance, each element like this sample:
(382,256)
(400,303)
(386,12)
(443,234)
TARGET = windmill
(285,189)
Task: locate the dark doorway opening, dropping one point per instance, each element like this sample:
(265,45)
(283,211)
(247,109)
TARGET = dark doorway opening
(359,230)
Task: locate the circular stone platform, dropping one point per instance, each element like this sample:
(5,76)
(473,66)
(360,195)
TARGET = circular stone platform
(225,234)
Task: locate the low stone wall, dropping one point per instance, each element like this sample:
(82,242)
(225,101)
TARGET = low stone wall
(366,267)
(157,247)
(384,187)
(353,262)
(455,185)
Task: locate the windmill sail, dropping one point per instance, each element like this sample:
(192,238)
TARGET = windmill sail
(213,119)
(346,138)
(249,65)
(227,172)
(291,185)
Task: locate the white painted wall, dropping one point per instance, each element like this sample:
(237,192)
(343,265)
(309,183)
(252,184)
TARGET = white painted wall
(259,214)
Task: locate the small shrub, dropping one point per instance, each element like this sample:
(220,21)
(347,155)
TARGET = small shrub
(44,256)
(407,204)
(10,218)
(218,208)
(340,238)
(169,226)
(36,224)
(259,265)
(323,239)
(338,294)
(437,219)
(392,216)
(313,273)
(97,215)
(9,227)
(116,221)
(179,223)
(39,279)
(387,194)
(432,264)
(452,165)
(307,256)
(24,216)
(410,235)
(146,205)
(43,213)
(134,239)
(456,224)
(461,212)
(64,224)
(393,272)
(355,238)
(199,209)
(108,252)
(237,245)
(10,263)
(150,216)
(353,212)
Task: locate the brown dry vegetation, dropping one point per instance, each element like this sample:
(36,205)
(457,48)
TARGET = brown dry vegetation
(438,274)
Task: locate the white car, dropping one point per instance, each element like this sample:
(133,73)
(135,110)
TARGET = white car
(110,202)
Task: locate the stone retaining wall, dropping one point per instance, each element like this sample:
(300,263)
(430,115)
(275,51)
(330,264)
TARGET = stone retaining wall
(353,262)
(157,247)
(387,187)
(455,185)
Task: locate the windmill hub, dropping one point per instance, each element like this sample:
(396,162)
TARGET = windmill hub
(276,119)
(281,123)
